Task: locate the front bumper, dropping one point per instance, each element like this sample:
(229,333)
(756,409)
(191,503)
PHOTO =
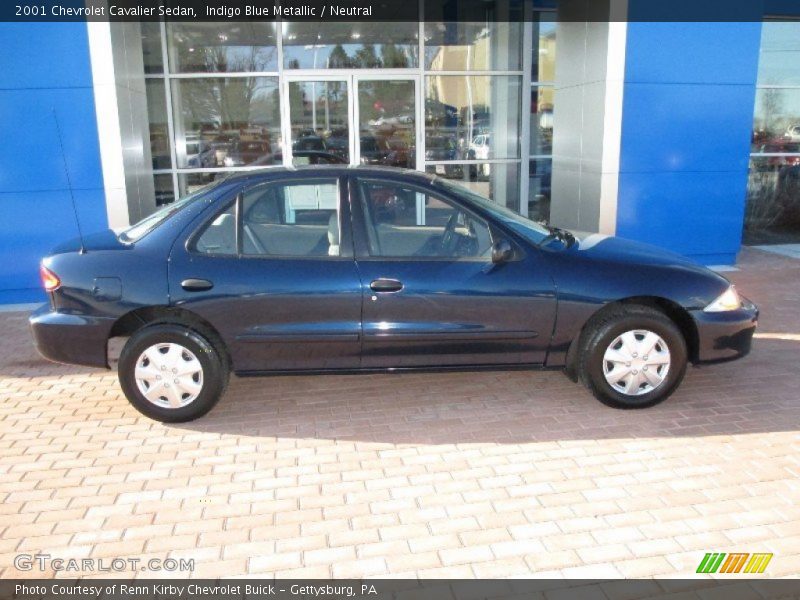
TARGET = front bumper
(725,335)
(69,338)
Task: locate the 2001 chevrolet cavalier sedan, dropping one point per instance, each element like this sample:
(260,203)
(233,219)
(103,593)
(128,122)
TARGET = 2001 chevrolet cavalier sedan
(337,268)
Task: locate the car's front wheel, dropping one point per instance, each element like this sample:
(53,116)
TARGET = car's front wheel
(632,357)
(172,373)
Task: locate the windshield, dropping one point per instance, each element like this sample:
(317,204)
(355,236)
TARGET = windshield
(137,231)
(530,230)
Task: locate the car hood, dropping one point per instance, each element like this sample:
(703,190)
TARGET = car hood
(607,248)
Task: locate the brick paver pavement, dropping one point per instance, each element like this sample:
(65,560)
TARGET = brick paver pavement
(431,475)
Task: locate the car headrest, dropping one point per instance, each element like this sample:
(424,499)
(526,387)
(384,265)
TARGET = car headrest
(333,235)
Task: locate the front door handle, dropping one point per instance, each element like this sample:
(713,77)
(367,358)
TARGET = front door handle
(196,285)
(386,285)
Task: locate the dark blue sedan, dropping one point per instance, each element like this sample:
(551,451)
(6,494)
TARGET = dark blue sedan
(335,268)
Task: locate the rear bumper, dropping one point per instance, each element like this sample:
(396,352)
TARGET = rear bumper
(725,335)
(73,339)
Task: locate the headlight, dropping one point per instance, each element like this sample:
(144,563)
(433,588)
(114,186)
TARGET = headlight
(729,300)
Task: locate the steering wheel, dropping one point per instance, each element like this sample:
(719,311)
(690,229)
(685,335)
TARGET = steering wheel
(449,237)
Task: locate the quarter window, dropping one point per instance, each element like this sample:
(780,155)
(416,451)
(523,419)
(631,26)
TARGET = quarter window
(403,221)
(219,236)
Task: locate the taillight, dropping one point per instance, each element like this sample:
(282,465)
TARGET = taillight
(50,280)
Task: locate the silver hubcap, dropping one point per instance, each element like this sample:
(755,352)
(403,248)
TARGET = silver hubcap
(169,375)
(637,362)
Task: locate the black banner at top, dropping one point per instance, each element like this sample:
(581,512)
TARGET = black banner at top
(394,10)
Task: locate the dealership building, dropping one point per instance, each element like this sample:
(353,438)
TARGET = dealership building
(681,134)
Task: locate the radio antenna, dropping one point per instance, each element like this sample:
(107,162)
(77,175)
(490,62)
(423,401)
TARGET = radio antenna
(69,181)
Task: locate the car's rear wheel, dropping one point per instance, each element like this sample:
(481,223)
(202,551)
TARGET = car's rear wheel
(632,357)
(171,373)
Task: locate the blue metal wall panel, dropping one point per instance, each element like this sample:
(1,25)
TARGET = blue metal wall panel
(44,67)
(686,123)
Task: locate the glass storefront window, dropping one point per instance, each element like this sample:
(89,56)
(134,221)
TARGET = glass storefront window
(222,47)
(473,117)
(350,45)
(318,120)
(540,173)
(229,92)
(387,123)
(543,65)
(780,53)
(188,183)
(541,120)
(226,121)
(772,214)
(776,123)
(497,181)
(157,117)
(152,56)
(165,193)
(473,46)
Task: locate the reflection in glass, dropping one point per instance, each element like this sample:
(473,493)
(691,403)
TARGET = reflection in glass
(152,56)
(461,109)
(772,214)
(318,119)
(188,183)
(540,173)
(543,66)
(541,120)
(387,123)
(498,182)
(157,118)
(226,121)
(776,123)
(350,45)
(165,194)
(473,46)
(222,47)
(779,60)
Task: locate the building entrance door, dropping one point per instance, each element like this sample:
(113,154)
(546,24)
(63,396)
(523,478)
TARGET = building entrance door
(368,119)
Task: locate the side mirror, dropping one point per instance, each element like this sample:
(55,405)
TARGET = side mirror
(502,251)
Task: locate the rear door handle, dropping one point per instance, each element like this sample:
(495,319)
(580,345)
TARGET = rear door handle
(386,285)
(196,285)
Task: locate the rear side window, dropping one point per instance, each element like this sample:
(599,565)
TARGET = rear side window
(292,219)
(279,219)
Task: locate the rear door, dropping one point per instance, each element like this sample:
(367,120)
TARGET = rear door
(431,294)
(274,273)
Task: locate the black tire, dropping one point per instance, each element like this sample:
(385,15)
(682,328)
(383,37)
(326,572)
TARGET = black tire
(602,331)
(215,371)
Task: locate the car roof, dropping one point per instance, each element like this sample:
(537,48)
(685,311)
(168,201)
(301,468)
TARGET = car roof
(333,170)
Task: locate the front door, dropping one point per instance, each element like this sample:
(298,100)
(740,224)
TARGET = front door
(363,119)
(431,294)
(274,273)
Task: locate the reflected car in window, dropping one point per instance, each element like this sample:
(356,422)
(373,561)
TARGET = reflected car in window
(246,153)
(334,268)
(374,150)
(199,154)
(443,147)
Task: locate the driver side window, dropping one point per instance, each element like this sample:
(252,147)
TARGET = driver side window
(402,222)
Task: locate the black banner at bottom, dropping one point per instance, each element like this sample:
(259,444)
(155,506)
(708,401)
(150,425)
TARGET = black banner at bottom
(398,589)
